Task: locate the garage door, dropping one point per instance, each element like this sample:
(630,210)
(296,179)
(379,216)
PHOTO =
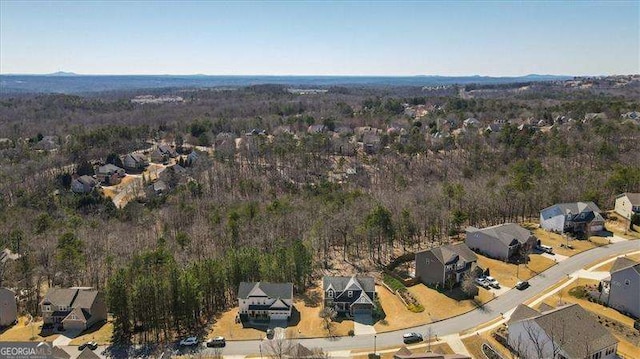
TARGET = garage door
(596,228)
(278,316)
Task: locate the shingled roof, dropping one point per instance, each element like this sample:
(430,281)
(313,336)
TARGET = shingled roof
(634,198)
(505,233)
(447,254)
(340,284)
(624,263)
(569,208)
(272,290)
(71,297)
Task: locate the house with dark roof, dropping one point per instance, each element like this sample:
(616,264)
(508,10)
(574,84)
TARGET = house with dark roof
(572,217)
(59,353)
(110,174)
(446,264)
(8,307)
(265,301)
(628,204)
(135,162)
(624,286)
(163,153)
(503,241)
(83,184)
(562,333)
(76,308)
(405,353)
(350,295)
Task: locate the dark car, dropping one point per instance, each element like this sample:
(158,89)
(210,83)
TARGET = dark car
(411,338)
(522,285)
(90,345)
(217,342)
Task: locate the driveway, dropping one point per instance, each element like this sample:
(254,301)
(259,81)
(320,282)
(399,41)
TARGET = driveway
(555,257)
(363,325)
(66,337)
(600,275)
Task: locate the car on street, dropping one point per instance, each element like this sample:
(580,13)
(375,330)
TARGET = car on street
(482,282)
(492,282)
(522,285)
(217,342)
(91,345)
(411,337)
(189,342)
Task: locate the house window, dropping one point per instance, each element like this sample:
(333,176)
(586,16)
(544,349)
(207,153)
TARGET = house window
(627,282)
(330,293)
(560,356)
(47,308)
(350,294)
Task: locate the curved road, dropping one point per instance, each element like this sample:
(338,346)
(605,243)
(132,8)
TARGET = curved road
(472,319)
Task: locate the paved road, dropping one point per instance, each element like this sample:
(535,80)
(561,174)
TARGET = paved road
(492,310)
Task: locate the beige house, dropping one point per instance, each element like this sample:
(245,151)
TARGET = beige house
(76,308)
(627,204)
(8,307)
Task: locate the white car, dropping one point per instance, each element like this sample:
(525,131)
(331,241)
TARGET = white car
(482,282)
(189,342)
(492,282)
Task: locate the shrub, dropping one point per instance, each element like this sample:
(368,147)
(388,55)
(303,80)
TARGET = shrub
(351,332)
(393,283)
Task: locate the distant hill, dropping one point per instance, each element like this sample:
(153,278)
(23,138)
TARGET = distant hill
(69,82)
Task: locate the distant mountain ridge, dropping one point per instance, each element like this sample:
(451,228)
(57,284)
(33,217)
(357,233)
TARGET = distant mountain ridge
(69,82)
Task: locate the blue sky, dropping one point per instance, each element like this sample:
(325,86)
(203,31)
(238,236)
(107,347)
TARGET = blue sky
(495,38)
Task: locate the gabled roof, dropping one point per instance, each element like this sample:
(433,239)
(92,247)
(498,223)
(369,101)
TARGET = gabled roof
(71,297)
(505,233)
(87,180)
(279,304)
(87,353)
(340,283)
(522,312)
(6,255)
(624,263)
(569,208)
(79,314)
(634,198)
(300,351)
(109,168)
(272,290)
(59,353)
(452,252)
(572,327)
(544,307)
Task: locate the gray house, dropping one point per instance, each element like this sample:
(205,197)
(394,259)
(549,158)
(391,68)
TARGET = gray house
(446,264)
(624,286)
(503,241)
(135,162)
(110,174)
(572,217)
(350,295)
(76,308)
(83,184)
(8,307)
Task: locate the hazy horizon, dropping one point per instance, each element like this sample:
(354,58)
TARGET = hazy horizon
(453,39)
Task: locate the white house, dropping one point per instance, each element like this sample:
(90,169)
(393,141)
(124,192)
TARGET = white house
(572,217)
(263,300)
(560,333)
(627,204)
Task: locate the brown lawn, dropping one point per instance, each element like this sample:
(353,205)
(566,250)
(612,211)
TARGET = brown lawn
(555,241)
(508,274)
(607,267)
(619,226)
(307,325)
(474,345)
(24,333)
(627,350)
(442,348)
(100,334)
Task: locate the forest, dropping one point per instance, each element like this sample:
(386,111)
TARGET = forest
(294,185)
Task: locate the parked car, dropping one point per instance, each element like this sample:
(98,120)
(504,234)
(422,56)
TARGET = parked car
(411,338)
(217,342)
(545,248)
(492,282)
(482,282)
(269,333)
(91,345)
(521,285)
(189,342)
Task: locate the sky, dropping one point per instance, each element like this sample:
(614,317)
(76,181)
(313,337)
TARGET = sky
(492,38)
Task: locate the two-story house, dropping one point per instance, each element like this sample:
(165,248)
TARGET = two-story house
(624,286)
(628,204)
(8,307)
(163,153)
(135,162)
(559,333)
(109,174)
(503,241)
(76,308)
(83,184)
(350,295)
(572,217)
(265,301)
(446,264)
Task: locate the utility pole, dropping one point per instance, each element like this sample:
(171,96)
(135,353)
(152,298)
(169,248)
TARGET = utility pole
(374,344)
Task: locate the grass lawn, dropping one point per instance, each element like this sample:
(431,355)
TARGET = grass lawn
(508,274)
(100,334)
(310,325)
(23,332)
(555,240)
(607,267)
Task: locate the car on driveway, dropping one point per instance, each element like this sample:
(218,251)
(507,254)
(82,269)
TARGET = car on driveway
(522,285)
(91,345)
(544,248)
(411,338)
(217,342)
(189,342)
(482,282)
(492,282)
